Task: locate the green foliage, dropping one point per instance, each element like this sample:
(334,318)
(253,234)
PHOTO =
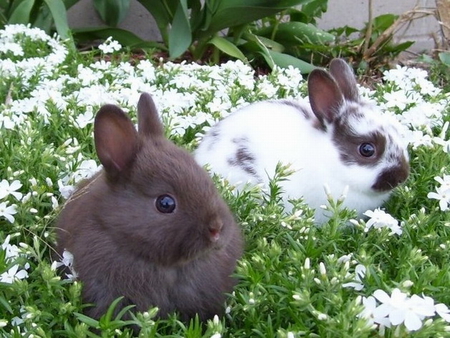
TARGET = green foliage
(439,69)
(291,277)
(369,47)
(254,30)
(112,12)
(43,14)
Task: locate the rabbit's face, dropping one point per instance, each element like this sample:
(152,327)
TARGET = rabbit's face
(173,211)
(370,143)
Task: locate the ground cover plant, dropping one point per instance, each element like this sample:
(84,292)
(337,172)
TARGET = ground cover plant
(387,275)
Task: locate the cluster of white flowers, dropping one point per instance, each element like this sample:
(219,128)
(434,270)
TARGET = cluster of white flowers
(416,103)
(84,170)
(15,272)
(398,308)
(192,96)
(110,46)
(9,189)
(10,41)
(380,219)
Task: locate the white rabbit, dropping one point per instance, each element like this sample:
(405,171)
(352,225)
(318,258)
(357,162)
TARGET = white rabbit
(336,140)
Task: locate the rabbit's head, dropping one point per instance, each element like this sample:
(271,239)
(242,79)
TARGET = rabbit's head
(368,142)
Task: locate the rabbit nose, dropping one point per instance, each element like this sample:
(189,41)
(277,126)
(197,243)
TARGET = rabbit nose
(215,228)
(392,177)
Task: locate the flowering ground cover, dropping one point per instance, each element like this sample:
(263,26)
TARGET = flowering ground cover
(388,274)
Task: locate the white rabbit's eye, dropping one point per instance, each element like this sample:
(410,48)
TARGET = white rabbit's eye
(367,149)
(165,204)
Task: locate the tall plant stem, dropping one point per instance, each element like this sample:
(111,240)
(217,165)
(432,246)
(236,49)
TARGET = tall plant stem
(369,28)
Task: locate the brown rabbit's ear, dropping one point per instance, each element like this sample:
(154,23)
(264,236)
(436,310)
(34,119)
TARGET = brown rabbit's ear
(325,96)
(116,139)
(149,123)
(345,78)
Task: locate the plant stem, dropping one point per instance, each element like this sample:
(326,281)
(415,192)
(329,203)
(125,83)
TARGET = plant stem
(369,28)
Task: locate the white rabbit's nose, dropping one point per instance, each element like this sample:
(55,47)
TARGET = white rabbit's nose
(392,177)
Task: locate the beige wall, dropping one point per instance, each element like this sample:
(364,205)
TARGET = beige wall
(340,13)
(355,13)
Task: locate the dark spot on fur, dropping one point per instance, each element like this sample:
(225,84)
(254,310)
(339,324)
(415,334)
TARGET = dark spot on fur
(241,141)
(243,158)
(392,177)
(213,138)
(348,141)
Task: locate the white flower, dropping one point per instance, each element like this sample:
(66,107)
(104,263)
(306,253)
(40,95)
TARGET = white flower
(11,251)
(83,120)
(401,309)
(7,189)
(381,219)
(12,274)
(368,313)
(443,311)
(8,211)
(110,46)
(66,261)
(360,272)
(442,192)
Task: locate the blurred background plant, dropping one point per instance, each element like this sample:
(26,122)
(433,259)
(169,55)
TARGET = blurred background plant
(49,15)
(260,32)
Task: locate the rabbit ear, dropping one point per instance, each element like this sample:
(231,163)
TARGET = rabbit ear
(149,123)
(325,96)
(116,139)
(345,78)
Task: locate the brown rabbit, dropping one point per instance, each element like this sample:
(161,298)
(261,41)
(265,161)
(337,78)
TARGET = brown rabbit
(151,226)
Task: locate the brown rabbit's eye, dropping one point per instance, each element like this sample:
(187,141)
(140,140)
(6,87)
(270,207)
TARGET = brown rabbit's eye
(165,204)
(367,149)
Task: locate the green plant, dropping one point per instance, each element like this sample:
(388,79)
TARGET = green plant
(44,14)
(368,47)
(243,29)
(439,69)
(295,279)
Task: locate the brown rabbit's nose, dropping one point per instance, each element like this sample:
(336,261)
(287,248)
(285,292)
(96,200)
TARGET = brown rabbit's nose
(215,228)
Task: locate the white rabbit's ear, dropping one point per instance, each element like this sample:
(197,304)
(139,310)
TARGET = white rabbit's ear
(345,78)
(149,123)
(116,139)
(325,96)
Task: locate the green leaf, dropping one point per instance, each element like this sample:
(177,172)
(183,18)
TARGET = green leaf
(6,305)
(227,47)
(58,11)
(124,37)
(163,12)
(232,13)
(445,58)
(22,12)
(180,37)
(270,44)
(106,318)
(295,33)
(112,12)
(383,22)
(284,61)
(87,320)
(314,9)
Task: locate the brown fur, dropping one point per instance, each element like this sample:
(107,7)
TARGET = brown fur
(123,246)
